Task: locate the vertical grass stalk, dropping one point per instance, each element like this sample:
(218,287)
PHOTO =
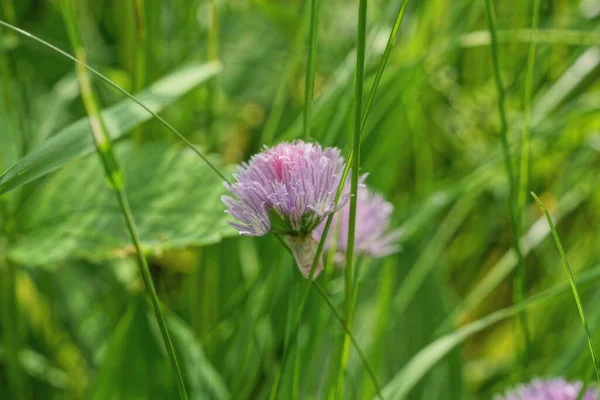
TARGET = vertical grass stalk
(140,44)
(113,173)
(519,278)
(309,88)
(295,55)
(138,52)
(565,262)
(524,156)
(212,55)
(349,274)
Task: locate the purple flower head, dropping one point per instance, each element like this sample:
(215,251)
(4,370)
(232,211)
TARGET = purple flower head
(287,189)
(553,389)
(372,235)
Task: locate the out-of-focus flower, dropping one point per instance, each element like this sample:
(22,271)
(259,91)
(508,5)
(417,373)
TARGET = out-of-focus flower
(372,235)
(287,190)
(553,389)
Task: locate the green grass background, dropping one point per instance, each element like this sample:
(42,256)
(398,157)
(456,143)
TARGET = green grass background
(435,321)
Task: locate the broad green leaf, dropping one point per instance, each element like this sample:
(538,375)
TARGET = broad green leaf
(406,379)
(175,200)
(135,366)
(75,140)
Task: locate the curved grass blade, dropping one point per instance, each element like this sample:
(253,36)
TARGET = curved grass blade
(408,377)
(103,145)
(565,262)
(212,69)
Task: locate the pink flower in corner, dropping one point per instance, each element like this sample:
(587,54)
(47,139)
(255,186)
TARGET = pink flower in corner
(553,389)
(288,189)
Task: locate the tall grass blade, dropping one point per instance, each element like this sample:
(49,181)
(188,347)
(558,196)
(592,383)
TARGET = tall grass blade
(565,262)
(309,88)
(523,174)
(350,281)
(114,175)
(213,55)
(519,278)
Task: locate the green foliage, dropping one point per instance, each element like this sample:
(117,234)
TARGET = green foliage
(75,140)
(436,321)
(123,377)
(75,214)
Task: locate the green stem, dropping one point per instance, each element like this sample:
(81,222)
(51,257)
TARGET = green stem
(213,55)
(525,140)
(309,87)
(140,44)
(272,123)
(349,274)
(138,52)
(519,279)
(113,173)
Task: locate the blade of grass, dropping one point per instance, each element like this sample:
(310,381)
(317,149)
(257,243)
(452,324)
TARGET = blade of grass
(523,173)
(565,262)
(140,44)
(278,106)
(213,55)
(114,175)
(309,88)
(349,274)
(138,52)
(519,278)
(119,89)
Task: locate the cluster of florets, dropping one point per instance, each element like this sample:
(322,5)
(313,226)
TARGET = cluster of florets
(290,189)
(552,389)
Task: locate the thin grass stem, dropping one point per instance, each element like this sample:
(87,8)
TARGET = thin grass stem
(349,272)
(140,44)
(519,278)
(569,272)
(309,88)
(213,55)
(523,173)
(272,123)
(114,175)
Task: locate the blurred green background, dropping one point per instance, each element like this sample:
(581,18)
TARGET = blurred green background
(75,322)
